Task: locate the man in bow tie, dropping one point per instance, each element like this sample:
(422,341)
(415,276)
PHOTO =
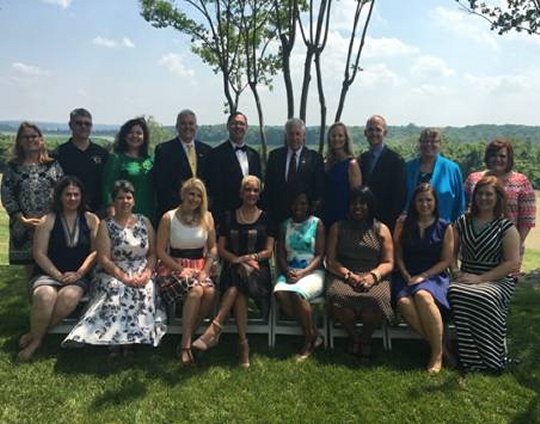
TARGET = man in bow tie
(231,161)
(178,160)
(292,168)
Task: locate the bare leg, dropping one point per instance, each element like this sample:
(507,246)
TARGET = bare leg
(371,320)
(43,300)
(408,308)
(241,317)
(347,318)
(304,316)
(431,320)
(284,299)
(190,312)
(67,300)
(207,304)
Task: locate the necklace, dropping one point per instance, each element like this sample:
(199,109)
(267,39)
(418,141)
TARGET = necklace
(71,234)
(244,219)
(479,226)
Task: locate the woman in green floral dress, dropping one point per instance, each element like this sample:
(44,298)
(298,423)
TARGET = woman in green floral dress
(131,161)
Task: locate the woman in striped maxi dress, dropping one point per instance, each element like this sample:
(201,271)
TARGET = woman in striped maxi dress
(488,245)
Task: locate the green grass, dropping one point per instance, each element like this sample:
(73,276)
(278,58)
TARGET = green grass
(79,386)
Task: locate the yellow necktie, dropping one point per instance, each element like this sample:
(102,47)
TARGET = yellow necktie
(192,158)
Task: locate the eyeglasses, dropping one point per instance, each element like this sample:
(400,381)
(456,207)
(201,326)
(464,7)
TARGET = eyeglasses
(83,123)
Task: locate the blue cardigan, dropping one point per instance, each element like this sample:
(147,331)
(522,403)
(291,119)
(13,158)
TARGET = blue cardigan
(447,182)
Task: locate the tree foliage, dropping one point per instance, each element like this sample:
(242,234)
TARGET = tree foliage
(518,15)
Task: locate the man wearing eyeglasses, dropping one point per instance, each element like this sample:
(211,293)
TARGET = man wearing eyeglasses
(80,157)
(383,171)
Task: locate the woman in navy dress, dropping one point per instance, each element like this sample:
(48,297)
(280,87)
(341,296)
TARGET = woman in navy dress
(423,248)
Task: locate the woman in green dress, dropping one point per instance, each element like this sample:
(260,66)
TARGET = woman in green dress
(131,161)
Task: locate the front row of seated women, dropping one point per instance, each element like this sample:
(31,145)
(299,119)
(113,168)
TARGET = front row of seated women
(126,309)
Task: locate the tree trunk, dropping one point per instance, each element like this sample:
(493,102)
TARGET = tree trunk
(262,132)
(322,102)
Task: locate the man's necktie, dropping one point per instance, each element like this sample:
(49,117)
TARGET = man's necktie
(192,158)
(291,173)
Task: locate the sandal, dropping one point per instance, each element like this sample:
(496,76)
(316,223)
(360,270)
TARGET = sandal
(186,356)
(243,353)
(206,341)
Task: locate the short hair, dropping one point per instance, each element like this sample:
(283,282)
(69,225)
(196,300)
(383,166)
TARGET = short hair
(18,151)
(197,184)
(122,185)
(79,112)
(380,117)
(330,155)
(498,144)
(301,191)
(428,133)
(61,185)
(185,112)
(294,122)
(234,115)
(120,142)
(412,212)
(365,196)
(500,207)
(249,179)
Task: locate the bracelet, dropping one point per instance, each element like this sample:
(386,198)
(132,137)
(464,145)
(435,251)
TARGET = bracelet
(347,276)
(376,276)
(255,256)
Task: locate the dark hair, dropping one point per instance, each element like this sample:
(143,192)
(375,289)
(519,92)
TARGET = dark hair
(234,115)
(79,112)
(122,185)
(498,144)
(296,193)
(412,214)
(500,207)
(120,142)
(365,196)
(61,185)
(18,151)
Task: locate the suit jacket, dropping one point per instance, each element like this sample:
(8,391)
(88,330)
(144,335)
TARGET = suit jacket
(309,176)
(388,183)
(225,177)
(171,169)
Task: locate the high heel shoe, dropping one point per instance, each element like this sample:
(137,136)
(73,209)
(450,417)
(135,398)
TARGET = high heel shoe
(209,338)
(243,354)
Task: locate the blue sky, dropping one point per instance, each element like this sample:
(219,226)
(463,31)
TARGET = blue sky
(424,62)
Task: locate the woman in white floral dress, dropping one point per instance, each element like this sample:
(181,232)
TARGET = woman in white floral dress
(126,308)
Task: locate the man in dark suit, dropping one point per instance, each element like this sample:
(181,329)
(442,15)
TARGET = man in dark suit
(178,160)
(291,168)
(231,161)
(383,171)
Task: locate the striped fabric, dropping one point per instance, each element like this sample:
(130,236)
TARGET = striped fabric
(480,310)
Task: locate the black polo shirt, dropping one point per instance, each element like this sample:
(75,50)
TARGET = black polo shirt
(87,165)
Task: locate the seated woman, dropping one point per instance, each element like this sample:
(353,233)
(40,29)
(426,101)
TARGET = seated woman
(360,258)
(186,247)
(299,258)
(489,248)
(125,309)
(64,253)
(246,239)
(424,246)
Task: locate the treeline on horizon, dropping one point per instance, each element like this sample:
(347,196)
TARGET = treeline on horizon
(464,145)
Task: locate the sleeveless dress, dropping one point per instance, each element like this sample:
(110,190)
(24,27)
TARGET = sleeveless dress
(359,248)
(119,314)
(480,310)
(420,254)
(300,238)
(65,252)
(336,193)
(244,239)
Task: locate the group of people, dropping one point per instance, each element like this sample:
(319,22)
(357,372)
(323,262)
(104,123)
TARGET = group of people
(369,233)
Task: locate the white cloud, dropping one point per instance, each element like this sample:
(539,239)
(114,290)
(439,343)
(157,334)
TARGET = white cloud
(111,43)
(64,4)
(431,67)
(387,47)
(464,25)
(379,74)
(503,83)
(432,90)
(175,65)
(28,70)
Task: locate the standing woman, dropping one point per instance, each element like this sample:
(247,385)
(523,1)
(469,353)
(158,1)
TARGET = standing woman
(360,258)
(520,197)
(132,162)
(27,188)
(246,240)
(342,173)
(299,258)
(488,246)
(424,245)
(126,308)
(186,247)
(441,173)
(64,252)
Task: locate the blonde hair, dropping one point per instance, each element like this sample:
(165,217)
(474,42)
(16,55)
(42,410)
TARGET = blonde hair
(330,154)
(199,214)
(249,179)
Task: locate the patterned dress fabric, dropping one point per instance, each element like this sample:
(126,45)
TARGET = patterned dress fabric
(359,248)
(336,192)
(480,310)
(27,189)
(300,238)
(119,314)
(420,254)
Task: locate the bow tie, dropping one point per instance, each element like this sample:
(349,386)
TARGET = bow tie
(243,148)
